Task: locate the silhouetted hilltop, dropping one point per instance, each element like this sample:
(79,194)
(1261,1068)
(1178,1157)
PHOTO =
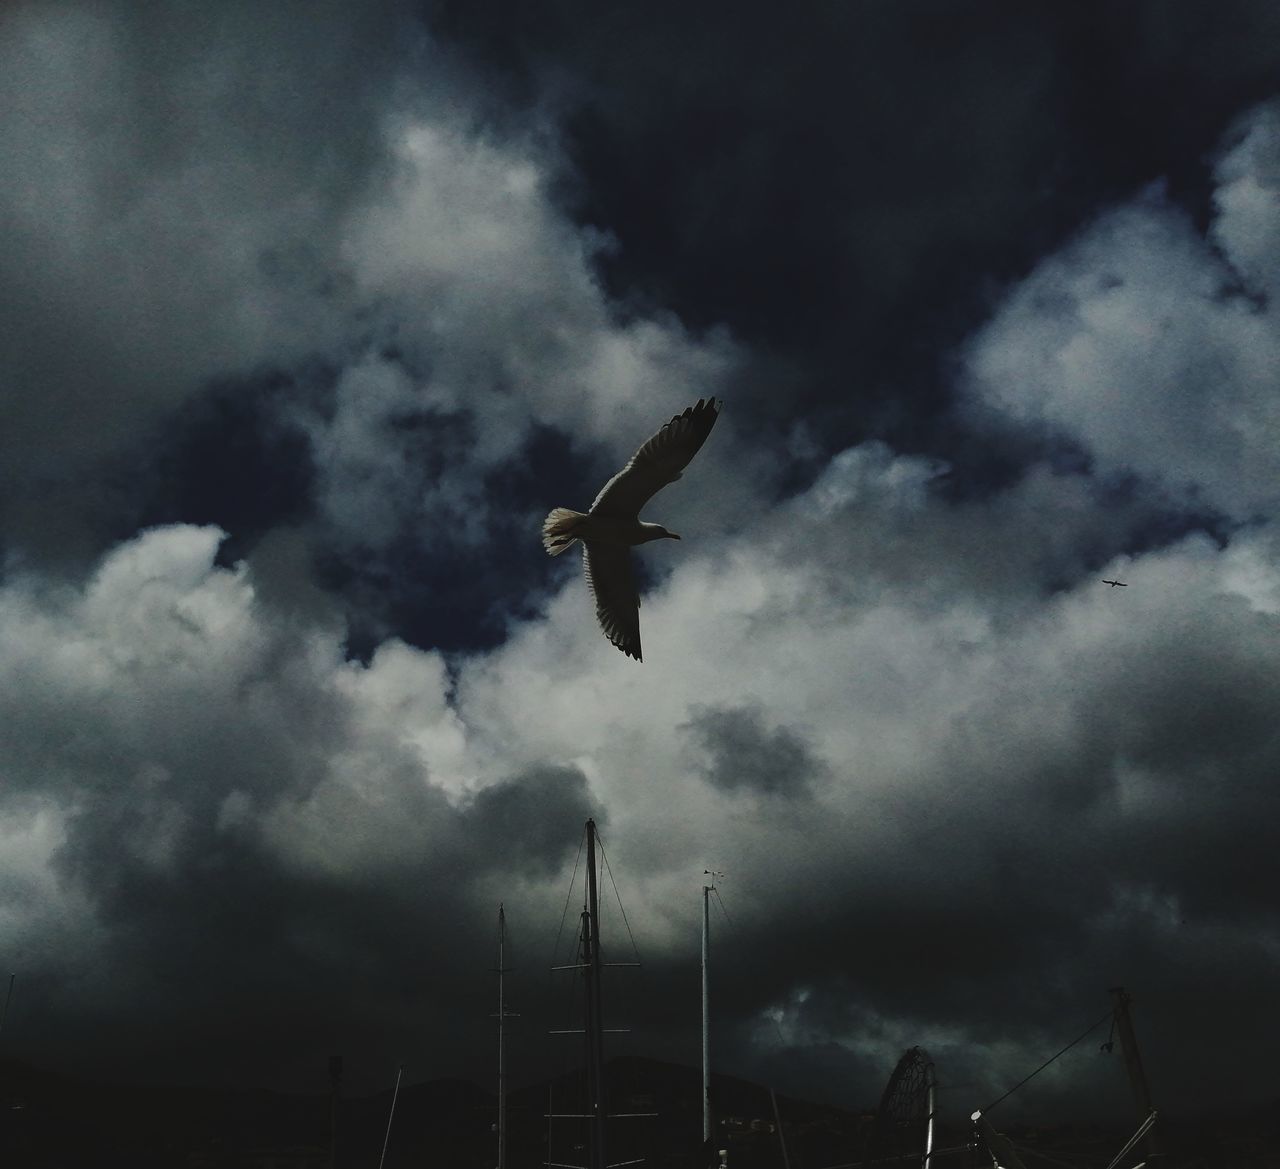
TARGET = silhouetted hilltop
(52,1121)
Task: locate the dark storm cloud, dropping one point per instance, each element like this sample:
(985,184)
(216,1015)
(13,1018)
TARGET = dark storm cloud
(845,186)
(173,186)
(744,754)
(1026,794)
(1006,787)
(234,841)
(226,458)
(527,817)
(1087,828)
(1148,344)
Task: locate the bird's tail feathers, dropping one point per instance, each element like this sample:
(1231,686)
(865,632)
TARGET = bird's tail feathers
(558,529)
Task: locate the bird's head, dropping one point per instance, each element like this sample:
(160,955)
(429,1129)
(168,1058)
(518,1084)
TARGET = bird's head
(657,532)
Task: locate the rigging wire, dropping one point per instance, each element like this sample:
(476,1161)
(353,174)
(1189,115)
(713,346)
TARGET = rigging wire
(574,990)
(1133,1140)
(617,897)
(625,998)
(777,1027)
(568,896)
(720,901)
(1084,1034)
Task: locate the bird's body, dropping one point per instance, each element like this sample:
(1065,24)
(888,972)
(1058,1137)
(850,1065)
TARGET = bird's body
(613,526)
(1116,584)
(604,529)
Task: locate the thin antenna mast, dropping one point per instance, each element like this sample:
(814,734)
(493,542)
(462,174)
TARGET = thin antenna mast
(931,1080)
(503,1014)
(706,1003)
(782,1136)
(595,1017)
(502,1053)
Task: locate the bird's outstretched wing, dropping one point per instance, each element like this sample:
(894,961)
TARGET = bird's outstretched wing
(608,570)
(658,462)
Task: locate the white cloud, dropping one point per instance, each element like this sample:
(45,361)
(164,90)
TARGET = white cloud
(41,920)
(928,710)
(203,196)
(1247,199)
(1135,341)
(487,295)
(168,706)
(968,696)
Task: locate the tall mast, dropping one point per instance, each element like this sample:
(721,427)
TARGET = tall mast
(708,1121)
(502,1068)
(706,1014)
(595,1029)
(590,965)
(1133,1062)
(931,1081)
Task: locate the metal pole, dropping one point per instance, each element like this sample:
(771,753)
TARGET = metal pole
(1133,1061)
(706,1014)
(997,1143)
(391,1114)
(502,1070)
(777,1120)
(595,1029)
(932,1083)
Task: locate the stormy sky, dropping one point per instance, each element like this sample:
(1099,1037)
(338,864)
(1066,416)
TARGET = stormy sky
(311,312)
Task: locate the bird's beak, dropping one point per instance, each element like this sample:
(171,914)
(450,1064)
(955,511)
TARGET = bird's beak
(673,535)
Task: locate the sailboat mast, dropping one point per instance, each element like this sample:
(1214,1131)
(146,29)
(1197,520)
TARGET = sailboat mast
(595,1028)
(502,1067)
(706,1014)
(1133,1062)
(931,1081)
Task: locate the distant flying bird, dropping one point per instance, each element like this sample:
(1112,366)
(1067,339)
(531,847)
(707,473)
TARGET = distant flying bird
(613,525)
(1116,584)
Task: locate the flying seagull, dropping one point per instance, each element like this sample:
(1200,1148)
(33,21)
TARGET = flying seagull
(1115,584)
(613,525)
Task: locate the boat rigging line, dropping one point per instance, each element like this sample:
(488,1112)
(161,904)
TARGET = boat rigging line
(604,859)
(391,1116)
(1083,1035)
(573,881)
(1143,1129)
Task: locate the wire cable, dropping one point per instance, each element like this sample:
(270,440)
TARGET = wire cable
(1083,1035)
(568,897)
(720,902)
(1133,1140)
(617,897)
